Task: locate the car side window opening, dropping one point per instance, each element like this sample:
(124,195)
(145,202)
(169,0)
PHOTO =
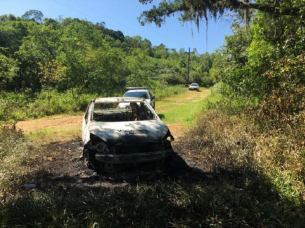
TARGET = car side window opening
(88,115)
(149,114)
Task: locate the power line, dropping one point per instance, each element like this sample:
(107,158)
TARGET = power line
(73,9)
(112,19)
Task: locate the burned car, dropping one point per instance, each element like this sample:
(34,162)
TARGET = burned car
(123,130)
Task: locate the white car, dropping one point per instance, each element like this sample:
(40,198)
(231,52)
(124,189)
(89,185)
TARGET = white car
(141,92)
(194,86)
(115,135)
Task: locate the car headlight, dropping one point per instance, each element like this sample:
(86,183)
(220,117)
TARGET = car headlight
(100,147)
(166,143)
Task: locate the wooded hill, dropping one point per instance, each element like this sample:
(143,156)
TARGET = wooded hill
(39,53)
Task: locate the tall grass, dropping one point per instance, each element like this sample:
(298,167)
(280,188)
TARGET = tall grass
(233,143)
(163,91)
(17,155)
(16,107)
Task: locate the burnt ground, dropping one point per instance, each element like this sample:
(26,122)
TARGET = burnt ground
(63,165)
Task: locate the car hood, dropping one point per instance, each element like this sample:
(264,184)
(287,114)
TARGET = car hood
(129,132)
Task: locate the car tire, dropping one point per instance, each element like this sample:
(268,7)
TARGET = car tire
(89,160)
(86,158)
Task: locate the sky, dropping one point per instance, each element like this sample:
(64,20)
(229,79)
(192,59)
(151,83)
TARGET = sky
(122,15)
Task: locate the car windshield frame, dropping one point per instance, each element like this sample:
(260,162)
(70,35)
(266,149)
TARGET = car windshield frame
(122,111)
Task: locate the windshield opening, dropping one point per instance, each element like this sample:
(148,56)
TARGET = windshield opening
(122,111)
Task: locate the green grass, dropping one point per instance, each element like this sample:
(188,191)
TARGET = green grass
(178,109)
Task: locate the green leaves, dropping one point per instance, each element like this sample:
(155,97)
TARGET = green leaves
(8,68)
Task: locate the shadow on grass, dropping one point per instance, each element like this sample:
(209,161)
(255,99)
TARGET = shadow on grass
(161,116)
(146,196)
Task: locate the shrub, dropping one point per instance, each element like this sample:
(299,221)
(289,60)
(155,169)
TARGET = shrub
(163,91)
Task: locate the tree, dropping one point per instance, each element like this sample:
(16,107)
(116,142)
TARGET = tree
(8,69)
(33,15)
(191,10)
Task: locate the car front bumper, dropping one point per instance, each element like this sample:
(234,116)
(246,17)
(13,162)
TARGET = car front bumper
(133,157)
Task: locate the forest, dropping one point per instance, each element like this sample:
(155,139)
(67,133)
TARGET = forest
(45,57)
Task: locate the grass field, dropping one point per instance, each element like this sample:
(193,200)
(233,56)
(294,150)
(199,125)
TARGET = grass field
(182,108)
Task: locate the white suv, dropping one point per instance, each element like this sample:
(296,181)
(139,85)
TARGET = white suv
(141,92)
(194,86)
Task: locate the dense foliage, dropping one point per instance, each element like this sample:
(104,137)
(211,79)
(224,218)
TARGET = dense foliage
(72,54)
(69,60)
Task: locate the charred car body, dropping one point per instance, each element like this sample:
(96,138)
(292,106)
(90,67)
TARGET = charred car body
(122,130)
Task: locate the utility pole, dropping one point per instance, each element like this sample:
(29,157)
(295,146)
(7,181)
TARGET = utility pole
(188,67)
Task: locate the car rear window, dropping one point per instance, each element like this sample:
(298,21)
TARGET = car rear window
(141,94)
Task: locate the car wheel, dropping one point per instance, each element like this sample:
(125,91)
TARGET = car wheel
(168,160)
(86,158)
(89,160)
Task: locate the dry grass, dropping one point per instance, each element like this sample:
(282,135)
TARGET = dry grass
(236,143)
(18,155)
(47,136)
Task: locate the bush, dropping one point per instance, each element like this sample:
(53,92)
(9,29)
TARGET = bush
(51,102)
(15,107)
(163,91)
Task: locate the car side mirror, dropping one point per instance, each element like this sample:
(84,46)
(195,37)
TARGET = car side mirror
(153,97)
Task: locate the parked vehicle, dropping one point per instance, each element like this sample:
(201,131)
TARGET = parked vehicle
(113,133)
(141,92)
(194,86)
